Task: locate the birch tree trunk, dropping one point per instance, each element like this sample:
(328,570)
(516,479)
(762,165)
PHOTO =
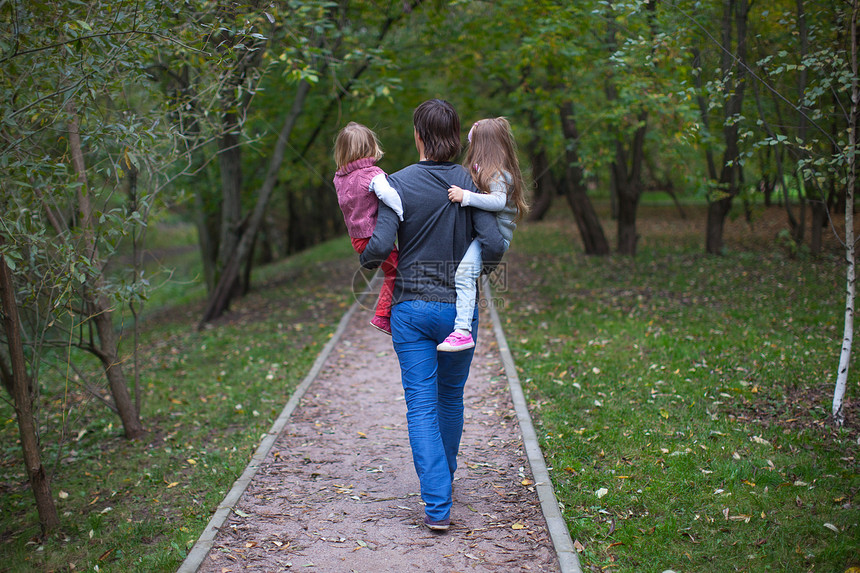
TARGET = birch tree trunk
(850,288)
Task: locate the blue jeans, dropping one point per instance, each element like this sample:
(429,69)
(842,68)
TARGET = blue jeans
(465,281)
(433,383)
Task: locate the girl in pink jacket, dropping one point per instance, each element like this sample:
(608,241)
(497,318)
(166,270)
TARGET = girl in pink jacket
(360,185)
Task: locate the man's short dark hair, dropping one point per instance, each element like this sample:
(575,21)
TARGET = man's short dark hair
(438,126)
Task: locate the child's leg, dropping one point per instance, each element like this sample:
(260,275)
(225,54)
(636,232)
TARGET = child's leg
(359,244)
(389,268)
(468,272)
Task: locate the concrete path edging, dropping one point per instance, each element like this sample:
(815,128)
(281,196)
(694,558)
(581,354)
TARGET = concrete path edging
(204,543)
(567,556)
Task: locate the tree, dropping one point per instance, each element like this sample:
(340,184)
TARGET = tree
(733,66)
(849,156)
(16,380)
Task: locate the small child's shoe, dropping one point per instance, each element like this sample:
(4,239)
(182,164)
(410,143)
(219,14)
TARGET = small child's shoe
(456,342)
(382,324)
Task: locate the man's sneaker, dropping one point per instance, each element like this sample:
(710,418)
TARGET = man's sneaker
(441,525)
(382,324)
(456,342)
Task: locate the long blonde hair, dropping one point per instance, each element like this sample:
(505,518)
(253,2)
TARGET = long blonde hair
(492,152)
(355,141)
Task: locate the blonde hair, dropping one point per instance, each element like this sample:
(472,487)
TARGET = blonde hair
(492,152)
(355,141)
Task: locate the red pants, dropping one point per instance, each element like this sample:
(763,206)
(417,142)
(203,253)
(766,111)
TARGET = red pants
(389,268)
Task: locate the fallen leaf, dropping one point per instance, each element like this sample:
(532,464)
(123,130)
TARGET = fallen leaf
(578,546)
(518,526)
(831,527)
(601,492)
(527,481)
(172,484)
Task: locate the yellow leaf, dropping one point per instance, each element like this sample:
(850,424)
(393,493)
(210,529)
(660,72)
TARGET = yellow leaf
(172,484)
(362,434)
(518,526)
(192,462)
(527,481)
(664,413)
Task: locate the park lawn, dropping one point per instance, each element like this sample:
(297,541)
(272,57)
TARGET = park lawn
(209,397)
(682,400)
(693,389)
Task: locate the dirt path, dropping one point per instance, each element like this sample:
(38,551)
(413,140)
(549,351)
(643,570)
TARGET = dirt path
(338,492)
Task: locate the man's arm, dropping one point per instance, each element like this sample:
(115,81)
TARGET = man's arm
(487,233)
(382,241)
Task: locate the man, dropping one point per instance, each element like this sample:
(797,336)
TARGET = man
(432,238)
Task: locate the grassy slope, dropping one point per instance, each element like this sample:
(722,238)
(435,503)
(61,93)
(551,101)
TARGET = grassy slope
(695,391)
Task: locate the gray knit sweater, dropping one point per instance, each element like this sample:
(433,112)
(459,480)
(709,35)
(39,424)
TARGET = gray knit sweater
(434,233)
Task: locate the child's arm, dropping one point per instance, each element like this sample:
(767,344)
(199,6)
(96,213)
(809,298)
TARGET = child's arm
(495,201)
(387,194)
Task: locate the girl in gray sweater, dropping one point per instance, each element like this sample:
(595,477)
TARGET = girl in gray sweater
(493,164)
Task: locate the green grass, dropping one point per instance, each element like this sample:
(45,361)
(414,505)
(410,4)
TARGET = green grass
(695,391)
(208,398)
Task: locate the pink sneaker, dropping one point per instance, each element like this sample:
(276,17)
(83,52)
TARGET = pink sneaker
(382,324)
(456,342)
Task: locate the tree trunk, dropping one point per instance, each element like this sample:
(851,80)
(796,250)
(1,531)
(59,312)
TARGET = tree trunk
(627,167)
(736,12)
(230,162)
(545,188)
(629,186)
(224,290)
(590,230)
(819,221)
(703,112)
(40,483)
(96,303)
(717,211)
(848,331)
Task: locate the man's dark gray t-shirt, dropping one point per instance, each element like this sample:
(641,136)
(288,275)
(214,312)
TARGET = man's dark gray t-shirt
(434,233)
